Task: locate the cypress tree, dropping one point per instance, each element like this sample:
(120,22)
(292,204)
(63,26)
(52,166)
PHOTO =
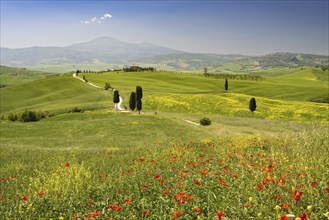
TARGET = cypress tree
(139,93)
(116,97)
(139,96)
(226,85)
(252,105)
(132,101)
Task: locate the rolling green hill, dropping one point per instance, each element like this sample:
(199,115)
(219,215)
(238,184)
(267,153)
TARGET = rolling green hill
(58,93)
(12,75)
(284,97)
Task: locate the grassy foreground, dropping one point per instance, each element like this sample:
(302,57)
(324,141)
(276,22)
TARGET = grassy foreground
(107,169)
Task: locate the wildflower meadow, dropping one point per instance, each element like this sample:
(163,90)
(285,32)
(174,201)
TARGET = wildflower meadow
(251,177)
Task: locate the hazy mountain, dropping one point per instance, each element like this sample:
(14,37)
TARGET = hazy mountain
(101,50)
(106,51)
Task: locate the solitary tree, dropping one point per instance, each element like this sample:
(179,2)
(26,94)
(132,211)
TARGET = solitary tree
(252,105)
(132,101)
(226,85)
(139,96)
(205,71)
(116,98)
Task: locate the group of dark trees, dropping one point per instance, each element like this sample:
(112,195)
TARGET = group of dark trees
(138,69)
(135,101)
(232,76)
(85,71)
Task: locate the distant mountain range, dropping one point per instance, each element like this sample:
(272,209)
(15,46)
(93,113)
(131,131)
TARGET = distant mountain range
(101,50)
(106,50)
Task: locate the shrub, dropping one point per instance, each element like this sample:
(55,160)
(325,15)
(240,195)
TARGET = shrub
(29,116)
(205,121)
(12,117)
(75,109)
(107,86)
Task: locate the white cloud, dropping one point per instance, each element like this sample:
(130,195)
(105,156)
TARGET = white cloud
(107,16)
(97,20)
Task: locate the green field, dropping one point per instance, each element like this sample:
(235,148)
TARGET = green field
(161,164)
(10,76)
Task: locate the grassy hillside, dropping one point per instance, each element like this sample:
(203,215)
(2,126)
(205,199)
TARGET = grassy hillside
(276,60)
(12,75)
(284,97)
(57,94)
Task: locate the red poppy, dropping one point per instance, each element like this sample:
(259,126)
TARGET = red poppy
(247,205)
(145,186)
(313,184)
(284,218)
(220,214)
(67,164)
(220,180)
(166,192)
(297,198)
(278,197)
(259,187)
(145,212)
(157,176)
(303,216)
(176,213)
(117,208)
(91,203)
(197,210)
(24,198)
(128,201)
(285,205)
(162,181)
(40,194)
(94,214)
(198,182)
(297,195)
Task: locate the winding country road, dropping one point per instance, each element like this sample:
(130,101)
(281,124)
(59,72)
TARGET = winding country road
(75,76)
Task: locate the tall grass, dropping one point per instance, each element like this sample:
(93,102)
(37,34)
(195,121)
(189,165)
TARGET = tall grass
(246,177)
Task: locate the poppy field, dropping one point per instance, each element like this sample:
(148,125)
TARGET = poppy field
(243,177)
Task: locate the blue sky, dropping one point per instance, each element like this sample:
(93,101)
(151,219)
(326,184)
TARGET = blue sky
(225,27)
